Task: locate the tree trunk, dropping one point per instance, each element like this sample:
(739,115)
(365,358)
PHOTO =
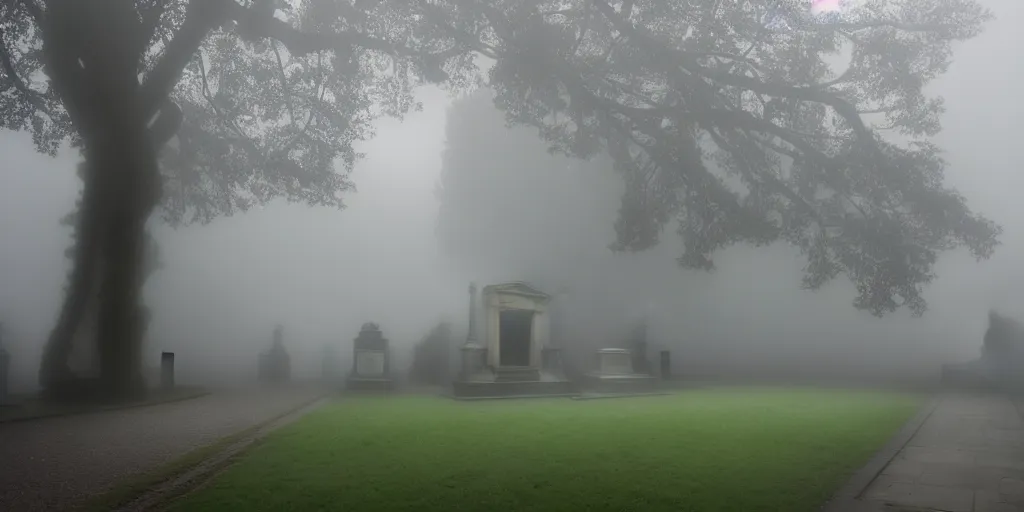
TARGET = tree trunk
(132,182)
(55,374)
(93,50)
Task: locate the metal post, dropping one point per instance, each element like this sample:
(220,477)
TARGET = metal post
(167,370)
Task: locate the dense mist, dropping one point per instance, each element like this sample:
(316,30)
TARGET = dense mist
(449,195)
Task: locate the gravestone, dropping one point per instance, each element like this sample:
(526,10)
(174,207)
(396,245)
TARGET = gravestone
(1001,365)
(615,361)
(615,374)
(275,364)
(666,364)
(167,370)
(371,365)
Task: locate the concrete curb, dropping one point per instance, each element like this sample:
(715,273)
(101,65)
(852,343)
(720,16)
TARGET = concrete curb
(847,499)
(106,408)
(195,477)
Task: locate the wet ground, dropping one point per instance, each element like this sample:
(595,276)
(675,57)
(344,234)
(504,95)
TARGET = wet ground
(55,463)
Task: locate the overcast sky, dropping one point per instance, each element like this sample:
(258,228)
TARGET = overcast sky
(321,273)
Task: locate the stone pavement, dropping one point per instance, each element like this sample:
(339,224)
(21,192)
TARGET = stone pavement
(967,456)
(54,463)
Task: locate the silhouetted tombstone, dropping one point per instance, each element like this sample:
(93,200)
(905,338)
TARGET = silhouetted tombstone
(371,365)
(275,364)
(167,370)
(5,366)
(1001,364)
(666,364)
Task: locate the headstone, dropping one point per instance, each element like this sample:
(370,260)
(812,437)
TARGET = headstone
(666,364)
(275,364)
(167,370)
(615,374)
(615,361)
(371,367)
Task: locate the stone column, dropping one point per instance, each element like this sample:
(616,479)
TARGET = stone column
(471,334)
(472,352)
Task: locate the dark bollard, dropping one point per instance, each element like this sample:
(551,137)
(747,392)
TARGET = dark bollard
(666,365)
(5,365)
(167,370)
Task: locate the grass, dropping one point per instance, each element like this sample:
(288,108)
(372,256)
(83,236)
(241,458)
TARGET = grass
(708,450)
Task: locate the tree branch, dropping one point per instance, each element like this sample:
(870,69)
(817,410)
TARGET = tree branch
(7,64)
(300,43)
(657,47)
(202,17)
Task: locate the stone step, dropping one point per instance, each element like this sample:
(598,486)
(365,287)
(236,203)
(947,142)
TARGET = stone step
(517,374)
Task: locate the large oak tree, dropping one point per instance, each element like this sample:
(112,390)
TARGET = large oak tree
(722,116)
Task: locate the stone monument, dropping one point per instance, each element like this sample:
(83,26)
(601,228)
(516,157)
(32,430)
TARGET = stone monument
(614,373)
(275,364)
(1001,365)
(515,356)
(371,361)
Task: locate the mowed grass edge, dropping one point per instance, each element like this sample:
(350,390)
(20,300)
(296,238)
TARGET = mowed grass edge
(731,449)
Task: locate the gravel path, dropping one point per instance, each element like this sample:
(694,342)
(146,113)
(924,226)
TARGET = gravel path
(52,464)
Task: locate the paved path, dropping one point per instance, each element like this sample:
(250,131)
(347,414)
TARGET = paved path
(968,456)
(52,464)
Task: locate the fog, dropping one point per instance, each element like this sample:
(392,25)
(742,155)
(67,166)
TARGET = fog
(321,273)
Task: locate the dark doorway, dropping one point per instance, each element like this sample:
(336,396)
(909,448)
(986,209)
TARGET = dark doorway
(514,329)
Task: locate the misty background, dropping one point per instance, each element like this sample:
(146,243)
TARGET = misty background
(321,273)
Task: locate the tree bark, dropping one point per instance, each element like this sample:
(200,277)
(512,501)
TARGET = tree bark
(54,372)
(92,60)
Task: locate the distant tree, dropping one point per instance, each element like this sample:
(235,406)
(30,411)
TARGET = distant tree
(203,107)
(239,103)
(726,119)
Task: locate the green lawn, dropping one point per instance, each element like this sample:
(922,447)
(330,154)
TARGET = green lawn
(738,450)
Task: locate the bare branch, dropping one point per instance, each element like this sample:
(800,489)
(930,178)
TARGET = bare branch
(284,83)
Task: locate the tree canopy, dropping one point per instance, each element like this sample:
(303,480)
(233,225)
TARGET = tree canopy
(728,119)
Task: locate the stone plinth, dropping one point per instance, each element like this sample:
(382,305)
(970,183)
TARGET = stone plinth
(371,365)
(614,373)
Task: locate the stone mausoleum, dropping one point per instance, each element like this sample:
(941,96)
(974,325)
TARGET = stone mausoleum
(508,349)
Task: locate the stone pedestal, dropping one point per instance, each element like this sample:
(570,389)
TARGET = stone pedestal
(371,365)
(473,359)
(614,374)
(167,371)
